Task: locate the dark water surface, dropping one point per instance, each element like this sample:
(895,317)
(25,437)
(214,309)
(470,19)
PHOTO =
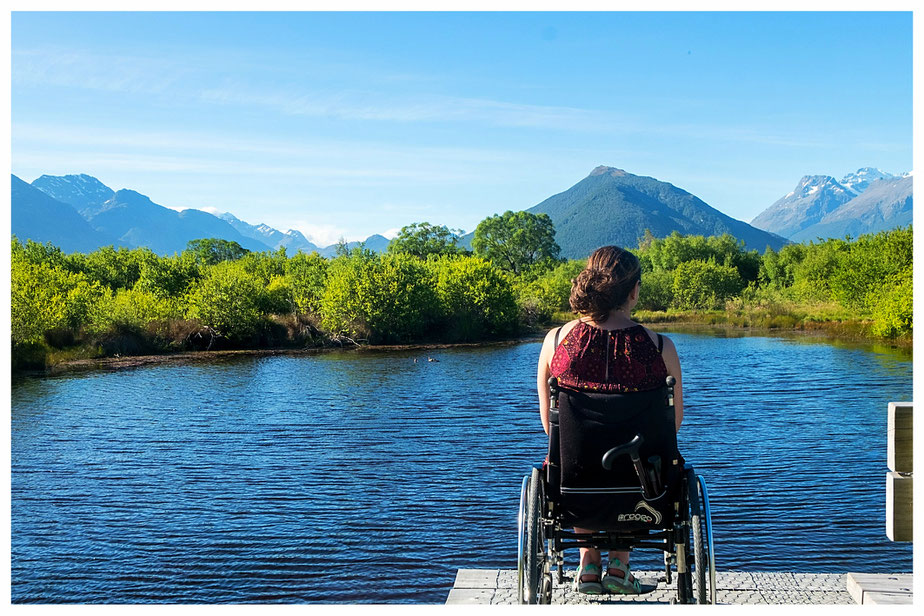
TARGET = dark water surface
(350,477)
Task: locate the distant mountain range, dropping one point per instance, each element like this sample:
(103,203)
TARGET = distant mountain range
(867,201)
(79,213)
(612,206)
(37,216)
(609,206)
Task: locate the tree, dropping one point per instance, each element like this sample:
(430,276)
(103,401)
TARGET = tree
(212,250)
(167,277)
(515,241)
(422,239)
(116,268)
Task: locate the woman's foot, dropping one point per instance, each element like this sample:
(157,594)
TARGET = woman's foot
(587,579)
(619,581)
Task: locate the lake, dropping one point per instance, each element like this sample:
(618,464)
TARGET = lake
(349,477)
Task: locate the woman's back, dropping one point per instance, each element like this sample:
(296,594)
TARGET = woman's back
(620,360)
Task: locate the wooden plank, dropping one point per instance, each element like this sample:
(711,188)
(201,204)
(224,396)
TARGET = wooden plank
(899,506)
(901,437)
(888,598)
(879,588)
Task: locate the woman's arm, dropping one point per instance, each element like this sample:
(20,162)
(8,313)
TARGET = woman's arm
(672,361)
(542,378)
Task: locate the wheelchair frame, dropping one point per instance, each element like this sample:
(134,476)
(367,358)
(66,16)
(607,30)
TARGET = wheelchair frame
(542,538)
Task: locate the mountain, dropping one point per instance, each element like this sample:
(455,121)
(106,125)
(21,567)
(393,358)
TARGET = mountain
(138,221)
(885,204)
(611,206)
(867,201)
(813,198)
(860,181)
(80,213)
(83,192)
(40,218)
(292,240)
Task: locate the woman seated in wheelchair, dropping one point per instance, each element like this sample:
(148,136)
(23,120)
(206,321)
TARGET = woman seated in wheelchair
(604,350)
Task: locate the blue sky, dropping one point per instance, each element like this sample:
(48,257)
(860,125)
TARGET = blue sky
(348,124)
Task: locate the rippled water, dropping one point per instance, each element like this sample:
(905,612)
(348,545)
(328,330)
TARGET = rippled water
(348,477)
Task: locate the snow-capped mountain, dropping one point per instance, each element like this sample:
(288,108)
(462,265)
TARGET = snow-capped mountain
(78,212)
(812,198)
(860,181)
(292,240)
(83,192)
(867,201)
(885,204)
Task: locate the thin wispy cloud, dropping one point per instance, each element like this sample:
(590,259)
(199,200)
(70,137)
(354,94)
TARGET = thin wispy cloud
(106,73)
(368,105)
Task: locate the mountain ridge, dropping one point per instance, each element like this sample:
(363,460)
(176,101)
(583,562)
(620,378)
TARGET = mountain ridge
(820,206)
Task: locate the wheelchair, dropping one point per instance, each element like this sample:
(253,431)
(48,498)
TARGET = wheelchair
(613,465)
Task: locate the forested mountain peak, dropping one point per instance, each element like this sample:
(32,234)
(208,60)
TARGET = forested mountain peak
(613,206)
(612,171)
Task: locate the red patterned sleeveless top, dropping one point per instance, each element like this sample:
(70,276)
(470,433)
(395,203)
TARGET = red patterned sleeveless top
(608,360)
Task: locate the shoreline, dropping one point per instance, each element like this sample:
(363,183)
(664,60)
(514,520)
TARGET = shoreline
(138,361)
(830,332)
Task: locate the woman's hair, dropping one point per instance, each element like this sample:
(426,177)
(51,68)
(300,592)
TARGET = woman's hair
(605,283)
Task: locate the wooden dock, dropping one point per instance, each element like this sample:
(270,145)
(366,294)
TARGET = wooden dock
(498,587)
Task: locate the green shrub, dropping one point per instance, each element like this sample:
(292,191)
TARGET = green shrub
(306,275)
(704,285)
(228,299)
(379,298)
(657,291)
(476,299)
(893,313)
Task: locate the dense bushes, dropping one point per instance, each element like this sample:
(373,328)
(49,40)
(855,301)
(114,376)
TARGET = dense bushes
(218,292)
(214,296)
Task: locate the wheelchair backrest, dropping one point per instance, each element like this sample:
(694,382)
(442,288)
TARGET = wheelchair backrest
(638,429)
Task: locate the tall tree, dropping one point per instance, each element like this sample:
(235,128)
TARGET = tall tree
(515,241)
(422,239)
(212,250)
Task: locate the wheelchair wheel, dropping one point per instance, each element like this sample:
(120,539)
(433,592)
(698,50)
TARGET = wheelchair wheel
(702,546)
(531,588)
(703,560)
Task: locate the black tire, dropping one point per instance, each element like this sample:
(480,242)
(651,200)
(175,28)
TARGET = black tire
(535,544)
(700,561)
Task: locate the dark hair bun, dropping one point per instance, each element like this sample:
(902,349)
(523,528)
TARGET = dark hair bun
(605,283)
